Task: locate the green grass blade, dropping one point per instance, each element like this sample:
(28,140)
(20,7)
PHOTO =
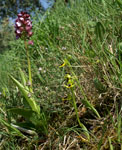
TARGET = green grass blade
(119,128)
(111,146)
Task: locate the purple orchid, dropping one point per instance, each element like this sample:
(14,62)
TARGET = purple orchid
(23,26)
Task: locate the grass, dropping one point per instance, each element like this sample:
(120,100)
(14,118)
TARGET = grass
(88,34)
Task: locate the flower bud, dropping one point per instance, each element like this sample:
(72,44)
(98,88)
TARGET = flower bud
(30,34)
(19,15)
(30,43)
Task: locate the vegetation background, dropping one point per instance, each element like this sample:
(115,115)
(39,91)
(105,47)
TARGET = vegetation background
(88,33)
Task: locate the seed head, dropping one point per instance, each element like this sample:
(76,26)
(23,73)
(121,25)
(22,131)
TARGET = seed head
(23,26)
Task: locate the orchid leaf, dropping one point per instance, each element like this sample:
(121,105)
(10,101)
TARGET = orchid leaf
(39,121)
(26,113)
(11,128)
(27,96)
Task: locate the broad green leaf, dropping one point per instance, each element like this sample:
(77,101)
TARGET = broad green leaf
(26,113)
(39,121)
(24,130)
(26,94)
(10,127)
(26,124)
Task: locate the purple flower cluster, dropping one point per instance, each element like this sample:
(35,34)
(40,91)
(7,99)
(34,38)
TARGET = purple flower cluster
(23,26)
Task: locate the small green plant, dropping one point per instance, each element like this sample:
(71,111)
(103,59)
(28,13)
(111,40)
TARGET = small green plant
(32,114)
(70,84)
(85,101)
(72,81)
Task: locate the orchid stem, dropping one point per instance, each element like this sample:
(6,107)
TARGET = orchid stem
(76,111)
(29,67)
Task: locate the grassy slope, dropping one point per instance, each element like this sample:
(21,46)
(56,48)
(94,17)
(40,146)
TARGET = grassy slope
(88,34)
